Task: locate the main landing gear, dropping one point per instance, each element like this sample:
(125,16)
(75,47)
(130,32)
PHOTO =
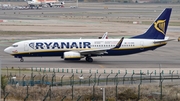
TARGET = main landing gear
(21,60)
(89,59)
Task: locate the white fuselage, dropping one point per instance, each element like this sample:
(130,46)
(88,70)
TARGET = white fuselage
(65,45)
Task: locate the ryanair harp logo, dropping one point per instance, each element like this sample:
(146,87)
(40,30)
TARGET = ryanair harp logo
(160,25)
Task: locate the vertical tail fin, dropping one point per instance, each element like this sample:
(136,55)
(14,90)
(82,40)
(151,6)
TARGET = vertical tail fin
(159,27)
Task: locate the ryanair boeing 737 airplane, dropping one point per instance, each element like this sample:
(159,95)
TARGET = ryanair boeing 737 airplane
(75,49)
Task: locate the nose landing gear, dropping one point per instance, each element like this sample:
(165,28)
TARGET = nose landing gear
(21,60)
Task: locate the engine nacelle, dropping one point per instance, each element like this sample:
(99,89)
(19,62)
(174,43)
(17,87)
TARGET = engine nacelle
(72,56)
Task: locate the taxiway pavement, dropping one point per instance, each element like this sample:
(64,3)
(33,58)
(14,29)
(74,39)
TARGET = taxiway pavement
(167,56)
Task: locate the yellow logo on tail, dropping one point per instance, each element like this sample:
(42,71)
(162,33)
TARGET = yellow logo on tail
(160,25)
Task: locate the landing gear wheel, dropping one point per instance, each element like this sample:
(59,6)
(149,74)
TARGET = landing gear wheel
(21,60)
(89,59)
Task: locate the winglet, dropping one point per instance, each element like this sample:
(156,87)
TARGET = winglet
(119,43)
(105,35)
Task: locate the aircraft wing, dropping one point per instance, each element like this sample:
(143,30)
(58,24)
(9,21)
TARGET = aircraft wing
(102,50)
(94,51)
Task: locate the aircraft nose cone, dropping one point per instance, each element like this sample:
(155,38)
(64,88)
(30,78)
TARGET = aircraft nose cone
(7,50)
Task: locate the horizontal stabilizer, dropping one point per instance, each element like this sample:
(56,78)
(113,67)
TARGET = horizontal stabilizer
(163,41)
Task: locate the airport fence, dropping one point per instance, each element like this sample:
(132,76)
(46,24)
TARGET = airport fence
(105,71)
(56,78)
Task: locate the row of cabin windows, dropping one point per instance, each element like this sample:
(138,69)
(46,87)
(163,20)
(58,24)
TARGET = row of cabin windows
(128,45)
(96,45)
(109,45)
(103,45)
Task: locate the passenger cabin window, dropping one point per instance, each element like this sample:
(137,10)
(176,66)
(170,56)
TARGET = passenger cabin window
(14,45)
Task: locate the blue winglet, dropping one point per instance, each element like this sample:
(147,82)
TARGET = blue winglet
(119,43)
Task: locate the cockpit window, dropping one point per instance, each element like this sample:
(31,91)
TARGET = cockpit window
(14,45)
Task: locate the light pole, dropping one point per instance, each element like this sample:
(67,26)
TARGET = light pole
(77,3)
(104,93)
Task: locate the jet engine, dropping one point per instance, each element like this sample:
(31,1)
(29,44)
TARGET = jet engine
(72,56)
